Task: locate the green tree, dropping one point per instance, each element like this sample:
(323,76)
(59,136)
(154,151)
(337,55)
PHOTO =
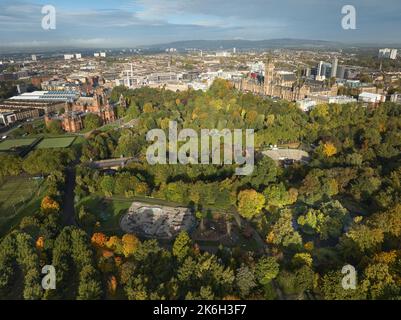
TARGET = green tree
(92,121)
(245,280)
(54,127)
(182,246)
(267,269)
(107,185)
(250,203)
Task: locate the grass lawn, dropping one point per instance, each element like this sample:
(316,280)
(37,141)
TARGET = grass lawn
(108,212)
(61,142)
(19,196)
(10,144)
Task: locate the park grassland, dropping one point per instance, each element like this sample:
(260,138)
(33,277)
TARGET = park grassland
(19,197)
(60,142)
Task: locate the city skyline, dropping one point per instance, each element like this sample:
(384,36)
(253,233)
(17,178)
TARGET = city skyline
(124,23)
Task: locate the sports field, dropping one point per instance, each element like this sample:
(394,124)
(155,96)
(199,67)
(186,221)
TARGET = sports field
(11,144)
(62,142)
(19,196)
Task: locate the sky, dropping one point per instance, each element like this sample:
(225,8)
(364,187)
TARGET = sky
(130,23)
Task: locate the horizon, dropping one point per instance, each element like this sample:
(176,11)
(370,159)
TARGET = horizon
(141,23)
(160,46)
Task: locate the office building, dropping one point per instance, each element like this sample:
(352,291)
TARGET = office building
(334,67)
(341,70)
(388,53)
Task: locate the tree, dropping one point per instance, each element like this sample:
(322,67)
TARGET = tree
(245,280)
(107,185)
(389,222)
(276,195)
(112,285)
(250,203)
(54,127)
(49,206)
(127,272)
(265,172)
(378,282)
(40,243)
(304,278)
(99,240)
(267,269)
(148,108)
(115,244)
(92,121)
(86,219)
(89,287)
(130,244)
(182,246)
(283,232)
(332,288)
(329,149)
(366,238)
(312,221)
(301,259)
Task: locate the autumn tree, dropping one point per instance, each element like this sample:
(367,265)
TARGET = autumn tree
(112,285)
(49,206)
(99,240)
(329,149)
(130,244)
(115,244)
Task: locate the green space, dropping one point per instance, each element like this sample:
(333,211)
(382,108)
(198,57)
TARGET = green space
(19,196)
(107,212)
(14,144)
(60,142)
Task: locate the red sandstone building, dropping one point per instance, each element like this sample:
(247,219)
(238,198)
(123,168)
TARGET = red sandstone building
(73,118)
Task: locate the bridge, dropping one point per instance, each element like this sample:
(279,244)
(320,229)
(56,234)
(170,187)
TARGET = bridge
(114,163)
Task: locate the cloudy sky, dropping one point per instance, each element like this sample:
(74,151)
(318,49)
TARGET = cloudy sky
(123,23)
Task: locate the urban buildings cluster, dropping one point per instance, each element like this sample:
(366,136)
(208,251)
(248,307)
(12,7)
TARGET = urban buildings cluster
(79,83)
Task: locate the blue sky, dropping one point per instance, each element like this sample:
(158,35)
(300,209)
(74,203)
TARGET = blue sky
(125,23)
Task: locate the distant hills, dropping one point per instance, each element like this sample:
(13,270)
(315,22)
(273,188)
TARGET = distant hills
(247,44)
